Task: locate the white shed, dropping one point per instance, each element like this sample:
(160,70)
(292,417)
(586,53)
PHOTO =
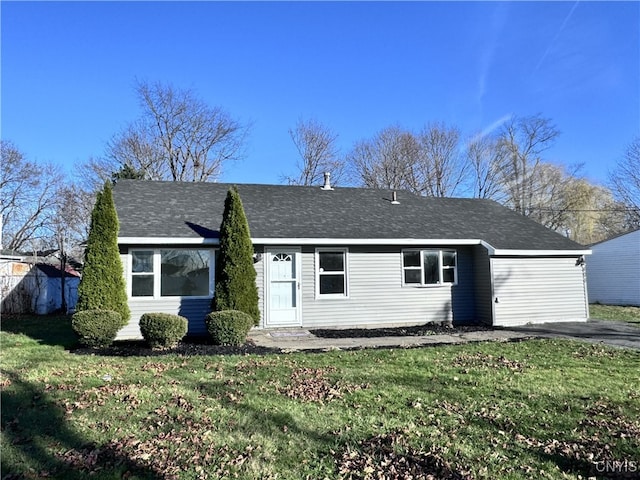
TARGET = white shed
(29,288)
(613,270)
(48,298)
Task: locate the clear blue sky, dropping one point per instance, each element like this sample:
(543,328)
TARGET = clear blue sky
(68,71)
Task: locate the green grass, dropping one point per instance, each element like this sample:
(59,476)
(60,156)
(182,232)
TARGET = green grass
(612,312)
(534,409)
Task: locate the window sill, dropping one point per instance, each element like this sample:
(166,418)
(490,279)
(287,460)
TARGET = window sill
(331,297)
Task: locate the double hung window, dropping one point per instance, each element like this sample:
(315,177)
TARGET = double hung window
(331,272)
(142,266)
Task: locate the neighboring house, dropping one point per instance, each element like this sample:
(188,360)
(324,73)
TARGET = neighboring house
(613,271)
(36,288)
(348,257)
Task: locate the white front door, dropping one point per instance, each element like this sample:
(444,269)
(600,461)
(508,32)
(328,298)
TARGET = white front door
(283,287)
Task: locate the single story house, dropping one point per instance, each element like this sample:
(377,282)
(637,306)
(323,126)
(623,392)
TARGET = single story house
(345,257)
(613,270)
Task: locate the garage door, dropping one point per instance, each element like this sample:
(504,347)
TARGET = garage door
(536,290)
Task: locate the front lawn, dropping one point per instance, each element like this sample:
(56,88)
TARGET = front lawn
(533,409)
(613,312)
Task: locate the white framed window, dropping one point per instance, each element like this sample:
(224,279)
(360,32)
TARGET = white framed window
(171,272)
(429,267)
(142,273)
(331,272)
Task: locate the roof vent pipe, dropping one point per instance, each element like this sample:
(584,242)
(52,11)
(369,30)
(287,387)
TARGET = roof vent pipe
(327,182)
(394,198)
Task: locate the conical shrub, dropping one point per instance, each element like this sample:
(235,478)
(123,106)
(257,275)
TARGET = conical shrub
(103,286)
(236,287)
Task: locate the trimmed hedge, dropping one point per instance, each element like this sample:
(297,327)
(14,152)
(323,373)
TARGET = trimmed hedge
(97,328)
(163,329)
(229,327)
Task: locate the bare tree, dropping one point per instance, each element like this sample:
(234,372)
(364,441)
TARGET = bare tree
(386,161)
(523,140)
(70,225)
(624,180)
(316,144)
(427,163)
(179,137)
(440,169)
(484,156)
(92,173)
(27,197)
(68,228)
(138,148)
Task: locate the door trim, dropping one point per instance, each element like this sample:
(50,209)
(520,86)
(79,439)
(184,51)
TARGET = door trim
(297,252)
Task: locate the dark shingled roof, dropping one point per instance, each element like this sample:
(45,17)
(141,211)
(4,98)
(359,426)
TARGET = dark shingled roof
(194,210)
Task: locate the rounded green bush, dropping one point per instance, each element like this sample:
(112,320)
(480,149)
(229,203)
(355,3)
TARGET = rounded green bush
(163,329)
(97,328)
(229,327)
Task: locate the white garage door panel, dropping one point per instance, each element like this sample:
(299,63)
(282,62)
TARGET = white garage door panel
(536,290)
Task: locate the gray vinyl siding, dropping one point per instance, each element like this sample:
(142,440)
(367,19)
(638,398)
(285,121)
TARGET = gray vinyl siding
(482,284)
(193,309)
(538,289)
(377,297)
(613,271)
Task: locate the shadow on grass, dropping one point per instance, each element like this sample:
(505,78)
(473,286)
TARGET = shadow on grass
(288,433)
(38,441)
(52,330)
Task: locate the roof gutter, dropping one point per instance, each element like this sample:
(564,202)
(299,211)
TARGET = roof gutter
(364,241)
(538,253)
(297,241)
(354,241)
(167,241)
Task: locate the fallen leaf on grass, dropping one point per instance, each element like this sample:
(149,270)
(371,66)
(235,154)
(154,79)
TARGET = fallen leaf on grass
(389,457)
(586,351)
(484,360)
(312,385)
(4,382)
(588,445)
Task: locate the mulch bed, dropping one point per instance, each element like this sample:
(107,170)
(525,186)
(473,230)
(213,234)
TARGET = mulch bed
(413,331)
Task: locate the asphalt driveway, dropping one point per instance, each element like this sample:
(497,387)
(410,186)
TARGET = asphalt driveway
(618,334)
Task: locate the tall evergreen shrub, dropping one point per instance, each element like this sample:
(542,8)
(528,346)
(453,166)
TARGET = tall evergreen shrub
(103,286)
(235,274)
